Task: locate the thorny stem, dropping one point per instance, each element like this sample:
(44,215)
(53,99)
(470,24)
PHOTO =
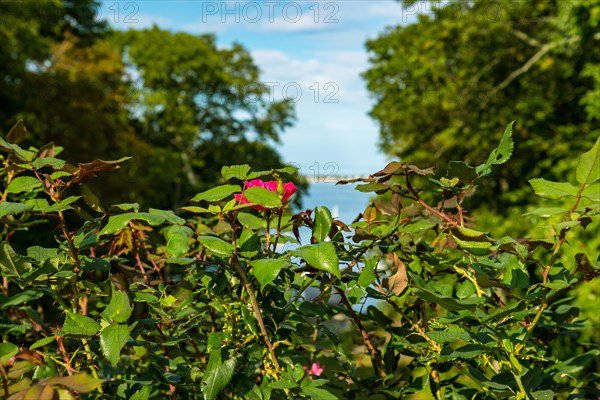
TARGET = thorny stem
(257,312)
(172,387)
(427,206)
(74,256)
(522,392)
(268,233)
(374,355)
(546,301)
(459,200)
(253,302)
(278,233)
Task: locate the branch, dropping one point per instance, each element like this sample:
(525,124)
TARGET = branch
(376,359)
(535,58)
(257,312)
(525,37)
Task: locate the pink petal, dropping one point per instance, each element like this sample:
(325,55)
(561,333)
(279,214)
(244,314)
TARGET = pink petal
(288,190)
(315,369)
(255,182)
(271,185)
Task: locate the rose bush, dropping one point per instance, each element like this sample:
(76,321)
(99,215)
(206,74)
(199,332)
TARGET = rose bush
(218,300)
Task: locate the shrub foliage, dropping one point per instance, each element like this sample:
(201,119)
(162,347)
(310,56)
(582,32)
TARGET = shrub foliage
(221,300)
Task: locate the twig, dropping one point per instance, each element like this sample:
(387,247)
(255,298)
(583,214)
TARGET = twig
(523,69)
(374,355)
(427,206)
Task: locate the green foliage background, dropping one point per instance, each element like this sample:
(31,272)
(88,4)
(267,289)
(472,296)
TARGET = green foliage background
(445,87)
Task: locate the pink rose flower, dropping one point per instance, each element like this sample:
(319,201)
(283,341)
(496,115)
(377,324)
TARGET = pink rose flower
(288,190)
(315,369)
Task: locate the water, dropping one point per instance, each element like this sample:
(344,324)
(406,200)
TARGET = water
(343,201)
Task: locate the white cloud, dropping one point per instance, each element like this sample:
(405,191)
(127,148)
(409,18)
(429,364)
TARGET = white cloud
(326,132)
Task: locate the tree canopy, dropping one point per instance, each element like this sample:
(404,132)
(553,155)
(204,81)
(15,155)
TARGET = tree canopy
(176,102)
(445,86)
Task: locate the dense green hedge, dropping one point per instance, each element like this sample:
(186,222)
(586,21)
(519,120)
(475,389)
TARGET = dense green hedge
(410,301)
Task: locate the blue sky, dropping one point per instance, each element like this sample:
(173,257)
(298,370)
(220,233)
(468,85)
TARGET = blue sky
(310,51)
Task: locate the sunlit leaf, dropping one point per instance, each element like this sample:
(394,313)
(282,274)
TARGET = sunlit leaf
(112,340)
(322,256)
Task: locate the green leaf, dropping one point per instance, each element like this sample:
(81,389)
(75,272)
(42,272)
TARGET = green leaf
(217,245)
(195,209)
(422,290)
(180,260)
(7,350)
(552,190)
(235,171)
(501,154)
(464,352)
(112,340)
(11,263)
(371,187)
(547,212)
(588,168)
(249,243)
(592,192)
(79,325)
(316,393)
(119,309)
(322,225)
(543,395)
(262,196)
(60,206)
(142,394)
(217,193)
(577,363)
(166,215)
(119,222)
(267,269)
(368,274)
(125,207)
(289,170)
(42,342)
(251,221)
(8,208)
(450,335)
(218,373)
(90,198)
(178,240)
(322,256)
(473,247)
(465,289)
(23,184)
(417,226)
(22,298)
(469,235)
(48,162)
(15,149)
(80,383)
(515,274)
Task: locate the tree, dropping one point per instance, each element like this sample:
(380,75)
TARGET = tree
(446,86)
(175,102)
(29,33)
(200,107)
